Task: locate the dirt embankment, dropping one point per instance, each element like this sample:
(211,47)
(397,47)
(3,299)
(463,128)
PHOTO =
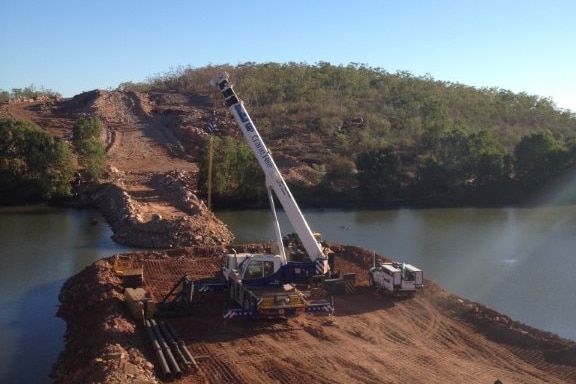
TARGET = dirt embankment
(149,196)
(152,139)
(435,337)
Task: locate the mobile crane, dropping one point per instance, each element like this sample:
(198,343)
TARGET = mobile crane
(256,279)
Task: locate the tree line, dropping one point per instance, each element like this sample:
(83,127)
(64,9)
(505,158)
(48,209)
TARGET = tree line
(371,137)
(381,138)
(36,166)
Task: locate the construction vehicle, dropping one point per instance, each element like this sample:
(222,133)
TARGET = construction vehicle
(125,268)
(256,280)
(395,278)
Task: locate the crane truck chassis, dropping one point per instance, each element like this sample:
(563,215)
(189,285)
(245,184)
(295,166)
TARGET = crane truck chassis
(264,285)
(259,295)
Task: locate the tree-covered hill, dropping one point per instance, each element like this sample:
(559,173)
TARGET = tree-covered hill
(370,137)
(382,137)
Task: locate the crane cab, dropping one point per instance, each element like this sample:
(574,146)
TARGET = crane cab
(253,269)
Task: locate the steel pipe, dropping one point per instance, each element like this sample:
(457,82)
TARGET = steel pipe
(158,350)
(183,347)
(173,345)
(174,367)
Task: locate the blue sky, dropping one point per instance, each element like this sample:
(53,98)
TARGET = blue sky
(72,46)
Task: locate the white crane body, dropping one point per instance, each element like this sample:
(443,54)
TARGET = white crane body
(275,182)
(263,285)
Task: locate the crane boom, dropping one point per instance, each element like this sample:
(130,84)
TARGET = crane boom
(274,179)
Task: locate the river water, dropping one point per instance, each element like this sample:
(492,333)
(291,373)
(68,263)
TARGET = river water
(40,248)
(518,261)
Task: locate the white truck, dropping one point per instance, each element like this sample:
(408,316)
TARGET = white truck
(395,278)
(256,279)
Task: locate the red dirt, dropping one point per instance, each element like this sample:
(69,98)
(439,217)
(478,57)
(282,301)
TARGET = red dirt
(434,337)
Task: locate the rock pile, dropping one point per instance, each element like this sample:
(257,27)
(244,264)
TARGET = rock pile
(133,225)
(101,342)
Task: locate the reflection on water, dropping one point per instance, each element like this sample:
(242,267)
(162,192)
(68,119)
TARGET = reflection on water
(519,261)
(40,247)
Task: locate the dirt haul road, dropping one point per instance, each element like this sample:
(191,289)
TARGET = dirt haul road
(435,337)
(148,197)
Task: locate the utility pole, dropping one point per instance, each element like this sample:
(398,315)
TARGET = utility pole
(211,128)
(210,155)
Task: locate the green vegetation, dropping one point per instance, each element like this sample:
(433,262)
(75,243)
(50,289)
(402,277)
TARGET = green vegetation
(33,165)
(89,144)
(453,141)
(456,158)
(379,175)
(239,177)
(30,92)
(395,136)
(378,137)
(373,137)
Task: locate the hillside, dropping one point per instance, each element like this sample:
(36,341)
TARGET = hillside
(148,196)
(348,136)
(374,138)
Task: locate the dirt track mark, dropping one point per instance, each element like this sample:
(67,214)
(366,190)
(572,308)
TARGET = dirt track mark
(17,111)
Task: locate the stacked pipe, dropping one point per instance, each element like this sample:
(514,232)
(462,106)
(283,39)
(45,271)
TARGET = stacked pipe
(190,360)
(172,363)
(158,350)
(172,354)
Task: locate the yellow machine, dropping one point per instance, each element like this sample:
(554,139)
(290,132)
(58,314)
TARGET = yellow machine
(125,268)
(122,263)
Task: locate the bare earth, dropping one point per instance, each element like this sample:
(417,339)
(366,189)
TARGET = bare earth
(435,337)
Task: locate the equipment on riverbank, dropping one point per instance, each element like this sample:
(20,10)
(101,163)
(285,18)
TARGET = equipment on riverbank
(263,285)
(126,269)
(395,279)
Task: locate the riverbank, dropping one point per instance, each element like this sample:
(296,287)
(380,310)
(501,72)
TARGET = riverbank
(448,338)
(176,219)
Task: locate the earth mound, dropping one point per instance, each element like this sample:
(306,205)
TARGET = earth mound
(435,337)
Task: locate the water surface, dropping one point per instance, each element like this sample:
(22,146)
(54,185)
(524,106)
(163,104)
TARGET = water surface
(519,261)
(41,247)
